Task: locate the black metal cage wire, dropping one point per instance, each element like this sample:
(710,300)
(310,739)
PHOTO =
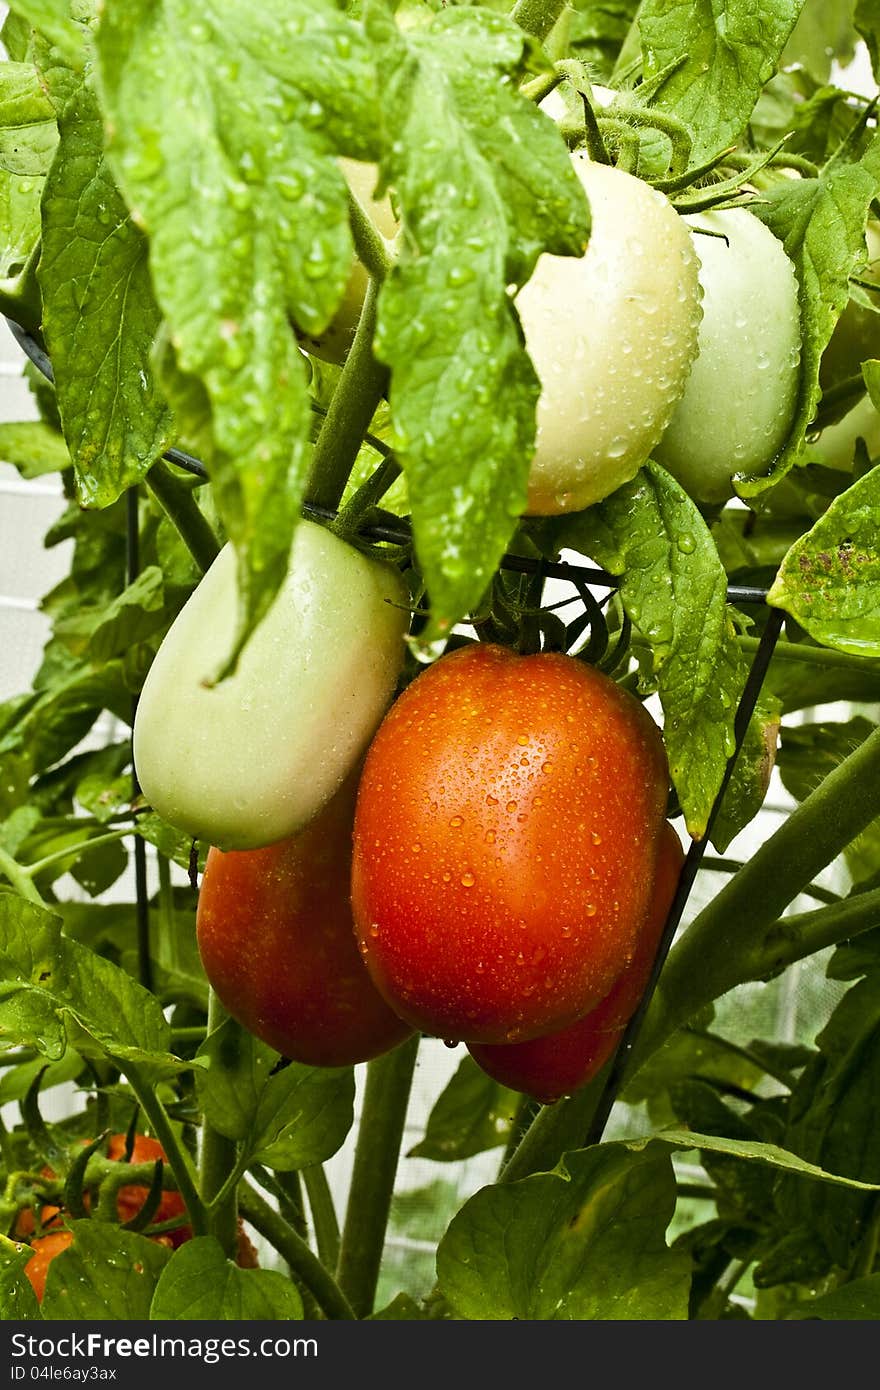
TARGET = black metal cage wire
(579,575)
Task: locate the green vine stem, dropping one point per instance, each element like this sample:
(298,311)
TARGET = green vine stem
(20,878)
(303,1262)
(58,856)
(814,656)
(380,1132)
(180,506)
(361,386)
(178,1159)
(324,1221)
(217,1161)
(537,17)
(368,496)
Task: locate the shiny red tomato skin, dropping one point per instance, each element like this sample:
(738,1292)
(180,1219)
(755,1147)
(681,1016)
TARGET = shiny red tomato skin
(276,939)
(559,1063)
(505,835)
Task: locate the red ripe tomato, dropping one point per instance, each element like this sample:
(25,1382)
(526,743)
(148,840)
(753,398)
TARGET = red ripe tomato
(559,1063)
(505,837)
(275,935)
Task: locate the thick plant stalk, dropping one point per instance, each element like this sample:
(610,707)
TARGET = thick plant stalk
(303,1261)
(184,513)
(217,1159)
(386,1098)
(358,392)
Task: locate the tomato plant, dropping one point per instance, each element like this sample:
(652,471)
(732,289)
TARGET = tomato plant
(462,424)
(476,919)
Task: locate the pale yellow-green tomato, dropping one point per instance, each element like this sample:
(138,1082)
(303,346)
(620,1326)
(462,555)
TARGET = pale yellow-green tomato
(334,343)
(612,335)
(739,401)
(252,759)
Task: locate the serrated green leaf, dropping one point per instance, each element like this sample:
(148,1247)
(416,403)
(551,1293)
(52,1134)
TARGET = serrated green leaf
(472,167)
(674,589)
(729,52)
(28,132)
(102,633)
(821,224)
(99,315)
(105,1274)
(34,448)
(54,19)
(830,579)
(49,985)
(18,1302)
(586,1241)
(748,785)
(229,1087)
(757,1152)
(473,1113)
(246,209)
(303,1115)
(198,1282)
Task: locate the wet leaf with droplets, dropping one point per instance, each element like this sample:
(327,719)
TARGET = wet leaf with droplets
(471,169)
(830,578)
(676,596)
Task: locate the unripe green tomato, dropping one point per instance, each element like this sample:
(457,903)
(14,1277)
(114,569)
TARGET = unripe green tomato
(253,758)
(739,401)
(612,335)
(334,343)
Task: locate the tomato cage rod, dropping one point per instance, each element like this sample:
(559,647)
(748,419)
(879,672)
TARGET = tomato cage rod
(399,533)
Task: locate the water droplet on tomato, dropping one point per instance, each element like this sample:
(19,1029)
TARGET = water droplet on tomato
(467,880)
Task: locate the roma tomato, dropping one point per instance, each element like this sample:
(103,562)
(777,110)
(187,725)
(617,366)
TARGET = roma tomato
(739,400)
(505,835)
(276,938)
(612,335)
(252,759)
(557,1064)
(333,344)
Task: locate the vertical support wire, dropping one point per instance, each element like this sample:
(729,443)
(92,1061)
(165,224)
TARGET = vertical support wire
(745,709)
(142,907)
